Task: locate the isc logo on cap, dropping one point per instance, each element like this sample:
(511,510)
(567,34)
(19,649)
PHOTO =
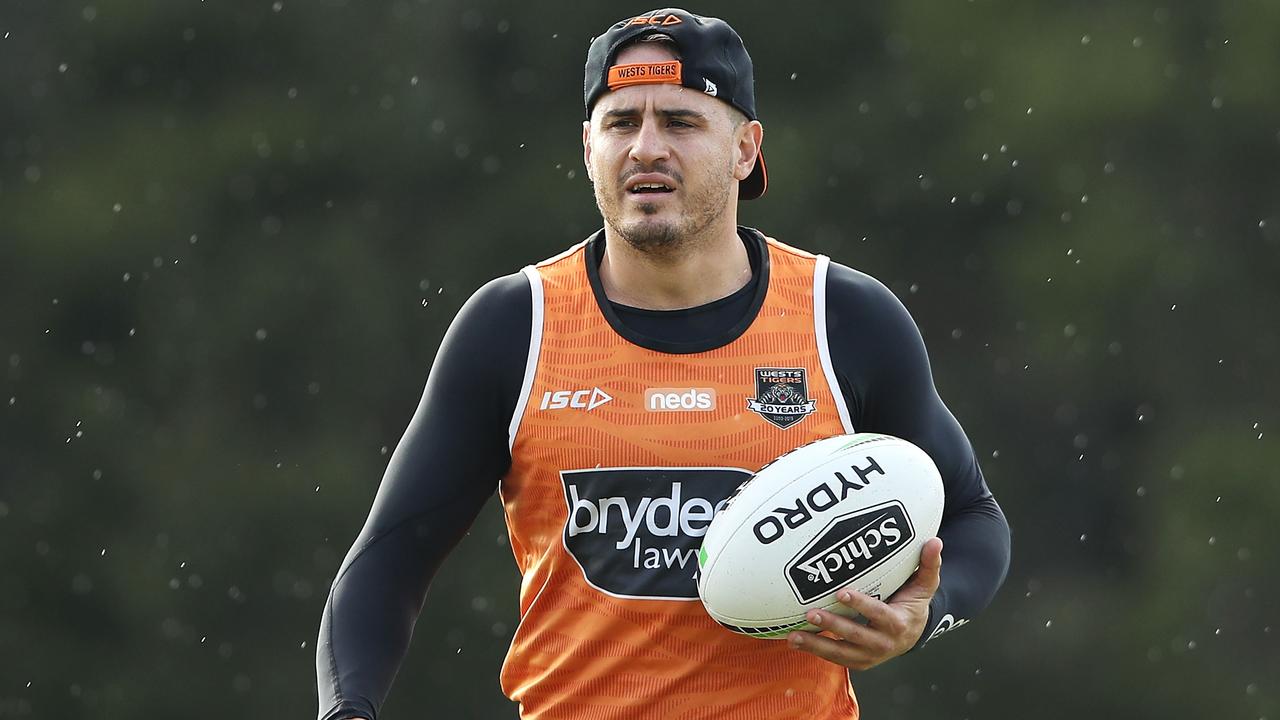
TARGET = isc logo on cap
(679,399)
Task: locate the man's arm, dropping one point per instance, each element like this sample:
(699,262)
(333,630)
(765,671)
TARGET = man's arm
(448,463)
(883,370)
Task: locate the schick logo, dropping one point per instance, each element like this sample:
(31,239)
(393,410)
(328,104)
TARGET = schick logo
(636,531)
(848,548)
(580,399)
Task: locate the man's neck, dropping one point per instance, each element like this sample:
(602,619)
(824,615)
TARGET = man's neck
(699,273)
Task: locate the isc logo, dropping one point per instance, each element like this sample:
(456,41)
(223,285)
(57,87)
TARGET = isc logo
(679,399)
(580,399)
(653,20)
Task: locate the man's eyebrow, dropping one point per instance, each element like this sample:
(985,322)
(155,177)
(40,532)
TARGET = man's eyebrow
(669,113)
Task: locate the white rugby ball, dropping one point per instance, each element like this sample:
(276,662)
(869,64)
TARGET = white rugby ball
(844,511)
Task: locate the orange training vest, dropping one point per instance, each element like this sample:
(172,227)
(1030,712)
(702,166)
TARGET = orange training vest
(619,457)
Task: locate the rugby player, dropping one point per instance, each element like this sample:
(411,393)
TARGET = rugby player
(616,393)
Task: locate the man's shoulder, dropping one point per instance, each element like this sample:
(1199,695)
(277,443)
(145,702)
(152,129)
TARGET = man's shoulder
(503,291)
(497,306)
(851,290)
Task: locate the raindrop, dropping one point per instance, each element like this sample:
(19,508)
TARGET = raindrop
(1142,491)
(1085,40)
(794,75)
(117,207)
(261,334)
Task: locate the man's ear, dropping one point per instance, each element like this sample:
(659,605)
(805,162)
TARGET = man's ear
(586,147)
(750,138)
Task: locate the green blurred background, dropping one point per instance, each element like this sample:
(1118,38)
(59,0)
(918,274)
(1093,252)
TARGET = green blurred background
(233,233)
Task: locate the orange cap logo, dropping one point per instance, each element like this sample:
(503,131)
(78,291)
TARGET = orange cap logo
(644,73)
(655,20)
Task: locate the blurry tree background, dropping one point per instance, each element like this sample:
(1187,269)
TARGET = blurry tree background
(233,233)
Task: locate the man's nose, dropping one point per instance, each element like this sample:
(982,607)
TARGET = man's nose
(650,144)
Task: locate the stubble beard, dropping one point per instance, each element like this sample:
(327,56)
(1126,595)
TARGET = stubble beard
(669,237)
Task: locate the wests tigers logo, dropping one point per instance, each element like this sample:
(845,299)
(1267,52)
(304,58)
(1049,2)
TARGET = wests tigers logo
(782,396)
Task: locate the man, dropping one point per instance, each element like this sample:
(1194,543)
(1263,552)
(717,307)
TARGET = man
(553,386)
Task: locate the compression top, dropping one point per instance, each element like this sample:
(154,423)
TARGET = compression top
(534,389)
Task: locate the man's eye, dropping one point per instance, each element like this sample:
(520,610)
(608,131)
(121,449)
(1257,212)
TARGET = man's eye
(680,124)
(621,123)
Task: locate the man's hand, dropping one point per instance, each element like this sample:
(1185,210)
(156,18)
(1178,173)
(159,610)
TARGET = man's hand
(893,627)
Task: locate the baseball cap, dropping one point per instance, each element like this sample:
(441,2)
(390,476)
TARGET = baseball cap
(712,60)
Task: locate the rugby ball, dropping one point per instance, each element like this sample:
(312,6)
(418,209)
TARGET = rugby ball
(845,511)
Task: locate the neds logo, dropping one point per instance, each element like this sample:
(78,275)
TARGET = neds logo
(679,399)
(635,531)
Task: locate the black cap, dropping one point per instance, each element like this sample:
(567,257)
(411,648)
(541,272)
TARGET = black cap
(712,60)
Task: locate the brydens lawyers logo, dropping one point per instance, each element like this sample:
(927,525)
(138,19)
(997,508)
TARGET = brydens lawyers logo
(635,532)
(782,396)
(578,399)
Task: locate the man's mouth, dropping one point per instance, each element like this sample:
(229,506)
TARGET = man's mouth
(650,183)
(642,188)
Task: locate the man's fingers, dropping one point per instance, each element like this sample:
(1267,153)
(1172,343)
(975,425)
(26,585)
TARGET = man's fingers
(876,612)
(847,628)
(924,583)
(841,653)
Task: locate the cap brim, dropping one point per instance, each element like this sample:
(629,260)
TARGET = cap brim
(756,183)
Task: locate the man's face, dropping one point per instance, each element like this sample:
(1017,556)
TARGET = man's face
(663,158)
